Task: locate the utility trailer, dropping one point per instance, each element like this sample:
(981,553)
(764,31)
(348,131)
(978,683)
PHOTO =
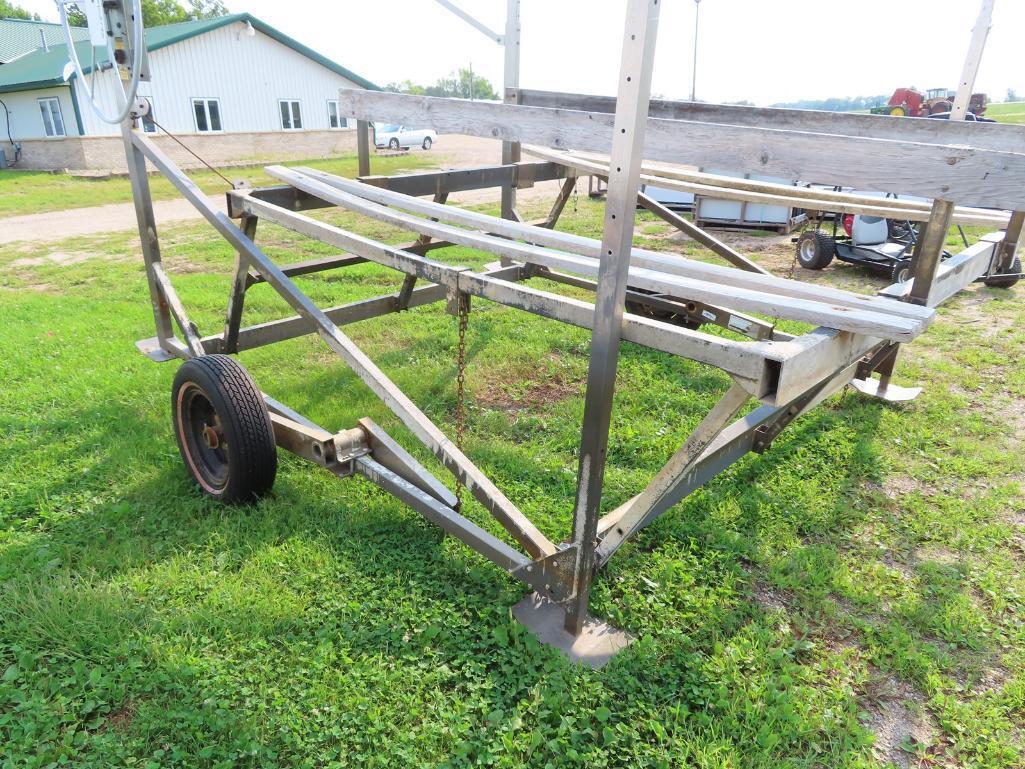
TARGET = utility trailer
(228,429)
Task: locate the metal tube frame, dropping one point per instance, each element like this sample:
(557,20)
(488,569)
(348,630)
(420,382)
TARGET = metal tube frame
(789,375)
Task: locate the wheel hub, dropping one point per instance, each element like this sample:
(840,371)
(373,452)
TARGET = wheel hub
(211,437)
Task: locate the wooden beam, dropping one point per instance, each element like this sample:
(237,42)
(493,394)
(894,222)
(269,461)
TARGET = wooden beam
(729,188)
(964,174)
(992,136)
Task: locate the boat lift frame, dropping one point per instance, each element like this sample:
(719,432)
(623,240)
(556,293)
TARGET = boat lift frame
(852,337)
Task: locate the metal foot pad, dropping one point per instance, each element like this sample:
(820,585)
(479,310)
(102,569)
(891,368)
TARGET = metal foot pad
(151,349)
(597,643)
(891,393)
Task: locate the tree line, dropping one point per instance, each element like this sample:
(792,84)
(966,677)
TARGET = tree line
(463,84)
(155,13)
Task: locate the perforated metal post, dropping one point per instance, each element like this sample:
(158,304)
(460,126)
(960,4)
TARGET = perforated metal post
(617,241)
(511,80)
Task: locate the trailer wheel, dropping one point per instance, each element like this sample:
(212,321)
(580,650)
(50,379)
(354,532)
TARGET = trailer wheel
(901,271)
(998,281)
(815,249)
(898,111)
(223,429)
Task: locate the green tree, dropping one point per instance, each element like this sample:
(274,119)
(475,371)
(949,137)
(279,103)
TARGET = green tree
(457,84)
(406,86)
(463,85)
(156,13)
(11,11)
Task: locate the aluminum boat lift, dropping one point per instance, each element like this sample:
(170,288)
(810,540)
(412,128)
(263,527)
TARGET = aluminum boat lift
(228,429)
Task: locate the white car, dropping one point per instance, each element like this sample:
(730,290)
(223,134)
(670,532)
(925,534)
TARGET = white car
(395,136)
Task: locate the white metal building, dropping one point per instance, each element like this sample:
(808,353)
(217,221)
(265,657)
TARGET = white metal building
(237,87)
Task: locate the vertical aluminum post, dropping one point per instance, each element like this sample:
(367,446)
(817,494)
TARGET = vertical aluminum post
(1012,237)
(511,79)
(363,146)
(617,242)
(929,249)
(147,234)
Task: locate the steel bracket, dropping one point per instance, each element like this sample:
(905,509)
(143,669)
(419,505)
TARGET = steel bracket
(766,434)
(551,576)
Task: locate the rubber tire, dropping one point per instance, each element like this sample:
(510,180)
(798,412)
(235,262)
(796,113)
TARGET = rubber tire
(999,282)
(901,267)
(940,107)
(427,143)
(823,249)
(898,230)
(897,112)
(393,144)
(252,458)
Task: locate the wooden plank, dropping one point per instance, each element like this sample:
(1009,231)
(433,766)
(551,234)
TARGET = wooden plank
(964,174)
(819,313)
(583,246)
(992,136)
(786,191)
(776,194)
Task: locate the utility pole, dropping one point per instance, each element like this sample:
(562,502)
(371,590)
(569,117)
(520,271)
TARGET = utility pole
(694,70)
(471,81)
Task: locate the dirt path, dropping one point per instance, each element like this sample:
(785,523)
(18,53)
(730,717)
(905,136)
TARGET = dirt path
(453,152)
(95,220)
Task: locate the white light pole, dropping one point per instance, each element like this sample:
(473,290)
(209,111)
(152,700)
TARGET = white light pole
(694,72)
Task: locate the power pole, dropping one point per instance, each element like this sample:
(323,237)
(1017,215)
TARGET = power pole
(694,70)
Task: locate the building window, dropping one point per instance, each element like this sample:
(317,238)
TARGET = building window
(291,117)
(148,124)
(334,120)
(53,122)
(208,114)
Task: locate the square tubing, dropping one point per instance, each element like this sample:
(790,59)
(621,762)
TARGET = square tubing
(511,150)
(617,244)
(694,232)
(1012,237)
(239,284)
(363,146)
(569,186)
(929,250)
(148,239)
(483,490)
(637,510)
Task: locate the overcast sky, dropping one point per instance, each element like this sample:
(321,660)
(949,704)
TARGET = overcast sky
(764,51)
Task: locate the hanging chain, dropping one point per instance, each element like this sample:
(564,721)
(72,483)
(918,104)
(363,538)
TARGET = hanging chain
(575,180)
(464,317)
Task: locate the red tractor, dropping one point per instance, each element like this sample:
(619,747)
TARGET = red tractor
(907,102)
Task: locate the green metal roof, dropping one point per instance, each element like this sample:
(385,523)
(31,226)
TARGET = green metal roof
(41,69)
(21,36)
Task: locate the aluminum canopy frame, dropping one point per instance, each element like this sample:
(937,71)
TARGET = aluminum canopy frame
(853,335)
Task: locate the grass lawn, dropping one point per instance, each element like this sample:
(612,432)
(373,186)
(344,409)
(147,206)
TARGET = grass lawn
(1008,112)
(35,192)
(850,598)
